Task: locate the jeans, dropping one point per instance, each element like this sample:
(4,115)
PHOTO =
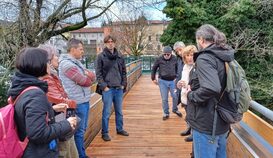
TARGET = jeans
(108,97)
(165,87)
(82,112)
(204,148)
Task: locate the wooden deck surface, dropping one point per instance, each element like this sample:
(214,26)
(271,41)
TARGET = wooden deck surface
(150,136)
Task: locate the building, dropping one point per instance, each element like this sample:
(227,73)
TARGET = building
(92,39)
(148,33)
(155,30)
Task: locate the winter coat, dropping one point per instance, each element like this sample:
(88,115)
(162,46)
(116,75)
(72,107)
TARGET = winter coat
(111,70)
(56,93)
(34,117)
(167,68)
(210,70)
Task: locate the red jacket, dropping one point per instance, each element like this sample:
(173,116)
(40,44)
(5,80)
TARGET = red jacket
(56,93)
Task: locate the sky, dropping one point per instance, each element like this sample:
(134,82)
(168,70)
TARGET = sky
(151,13)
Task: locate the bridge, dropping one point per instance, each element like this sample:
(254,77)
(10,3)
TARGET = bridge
(150,136)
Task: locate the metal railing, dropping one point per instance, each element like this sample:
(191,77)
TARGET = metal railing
(262,110)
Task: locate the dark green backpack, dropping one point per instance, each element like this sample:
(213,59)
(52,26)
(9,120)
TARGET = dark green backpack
(238,92)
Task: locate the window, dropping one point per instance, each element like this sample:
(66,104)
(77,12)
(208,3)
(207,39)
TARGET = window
(158,47)
(158,37)
(85,42)
(149,47)
(150,38)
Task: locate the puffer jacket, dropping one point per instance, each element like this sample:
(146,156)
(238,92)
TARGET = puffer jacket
(56,93)
(210,70)
(34,117)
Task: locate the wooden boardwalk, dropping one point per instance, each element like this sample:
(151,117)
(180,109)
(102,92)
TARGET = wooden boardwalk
(150,136)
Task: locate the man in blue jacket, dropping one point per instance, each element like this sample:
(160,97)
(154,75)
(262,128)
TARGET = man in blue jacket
(167,65)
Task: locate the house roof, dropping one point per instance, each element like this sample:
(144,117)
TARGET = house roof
(89,30)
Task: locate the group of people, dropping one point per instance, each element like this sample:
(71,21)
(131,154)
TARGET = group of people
(196,78)
(53,115)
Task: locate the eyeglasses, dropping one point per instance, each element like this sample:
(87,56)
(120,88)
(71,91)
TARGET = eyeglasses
(167,54)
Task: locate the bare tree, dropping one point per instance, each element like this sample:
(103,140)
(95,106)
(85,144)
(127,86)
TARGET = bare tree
(131,35)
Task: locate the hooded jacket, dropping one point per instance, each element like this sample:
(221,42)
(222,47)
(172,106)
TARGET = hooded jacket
(34,117)
(210,70)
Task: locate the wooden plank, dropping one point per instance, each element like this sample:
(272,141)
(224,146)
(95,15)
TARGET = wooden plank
(150,136)
(260,126)
(236,149)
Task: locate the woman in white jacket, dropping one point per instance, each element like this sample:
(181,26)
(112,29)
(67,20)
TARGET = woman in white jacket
(183,83)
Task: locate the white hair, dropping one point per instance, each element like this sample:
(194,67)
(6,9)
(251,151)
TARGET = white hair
(178,44)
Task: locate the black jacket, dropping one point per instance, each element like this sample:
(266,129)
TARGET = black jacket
(210,70)
(167,68)
(34,117)
(111,69)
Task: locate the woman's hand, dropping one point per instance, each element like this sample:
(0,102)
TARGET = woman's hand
(72,121)
(60,107)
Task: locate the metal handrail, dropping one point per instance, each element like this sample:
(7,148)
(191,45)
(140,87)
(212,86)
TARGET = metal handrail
(261,109)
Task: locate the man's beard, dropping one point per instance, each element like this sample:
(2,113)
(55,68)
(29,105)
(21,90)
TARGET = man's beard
(199,47)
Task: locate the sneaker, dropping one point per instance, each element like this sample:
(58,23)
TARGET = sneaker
(106,137)
(123,133)
(189,138)
(186,132)
(178,113)
(165,117)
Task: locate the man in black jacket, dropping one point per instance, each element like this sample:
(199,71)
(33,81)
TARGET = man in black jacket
(210,70)
(167,65)
(111,76)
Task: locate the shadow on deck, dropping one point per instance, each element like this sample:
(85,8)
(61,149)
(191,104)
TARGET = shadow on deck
(150,136)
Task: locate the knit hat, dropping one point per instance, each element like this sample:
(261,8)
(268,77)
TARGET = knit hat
(167,49)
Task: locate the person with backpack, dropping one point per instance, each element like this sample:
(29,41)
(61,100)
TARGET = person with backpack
(76,80)
(34,115)
(57,95)
(209,134)
(112,80)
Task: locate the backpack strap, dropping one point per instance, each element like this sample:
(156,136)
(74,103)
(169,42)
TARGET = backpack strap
(25,90)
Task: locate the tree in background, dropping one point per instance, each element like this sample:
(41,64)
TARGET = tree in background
(131,35)
(247,25)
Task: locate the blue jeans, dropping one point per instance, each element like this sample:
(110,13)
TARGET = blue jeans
(165,87)
(82,112)
(203,148)
(108,97)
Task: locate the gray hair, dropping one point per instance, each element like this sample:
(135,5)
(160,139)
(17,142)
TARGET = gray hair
(211,34)
(178,44)
(50,49)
